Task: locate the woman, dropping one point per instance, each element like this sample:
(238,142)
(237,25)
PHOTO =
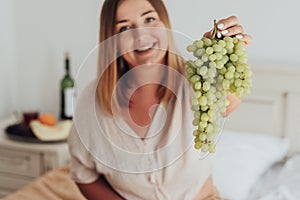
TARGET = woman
(149,161)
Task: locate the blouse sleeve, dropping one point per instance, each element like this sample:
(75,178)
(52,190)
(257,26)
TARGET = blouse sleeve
(82,166)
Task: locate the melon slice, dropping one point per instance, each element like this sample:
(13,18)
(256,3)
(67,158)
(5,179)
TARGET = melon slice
(51,133)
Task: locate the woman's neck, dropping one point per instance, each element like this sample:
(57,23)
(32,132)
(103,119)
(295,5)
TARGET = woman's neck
(145,96)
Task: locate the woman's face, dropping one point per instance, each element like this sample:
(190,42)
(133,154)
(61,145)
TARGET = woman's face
(143,39)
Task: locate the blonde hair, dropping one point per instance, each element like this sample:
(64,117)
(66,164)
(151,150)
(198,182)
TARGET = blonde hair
(116,66)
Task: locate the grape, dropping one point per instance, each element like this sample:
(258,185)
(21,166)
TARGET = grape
(212,65)
(199,44)
(202,124)
(234,57)
(206,86)
(229,75)
(197,114)
(220,68)
(203,71)
(197,85)
(204,57)
(212,57)
(238,82)
(226,84)
(209,50)
(195,78)
(195,133)
(240,68)
(198,63)
(217,48)
(202,101)
(204,117)
(198,94)
(219,55)
(191,48)
(195,102)
(199,52)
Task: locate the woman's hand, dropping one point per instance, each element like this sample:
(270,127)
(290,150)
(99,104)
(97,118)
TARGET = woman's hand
(234,103)
(230,27)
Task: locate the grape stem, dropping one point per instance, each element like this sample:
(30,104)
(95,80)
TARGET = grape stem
(215,30)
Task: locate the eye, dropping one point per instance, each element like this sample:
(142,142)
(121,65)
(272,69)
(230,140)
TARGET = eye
(150,19)
(124,28)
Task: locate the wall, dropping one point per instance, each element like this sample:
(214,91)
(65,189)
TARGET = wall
(8,73)
(44,31)
(273,24)
(38,32)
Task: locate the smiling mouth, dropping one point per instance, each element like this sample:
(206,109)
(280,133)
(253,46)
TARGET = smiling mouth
(145,48)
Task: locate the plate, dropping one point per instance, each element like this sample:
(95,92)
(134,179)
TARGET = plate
(22,132)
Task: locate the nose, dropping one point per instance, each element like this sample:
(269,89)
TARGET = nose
(141,35)
(138,33)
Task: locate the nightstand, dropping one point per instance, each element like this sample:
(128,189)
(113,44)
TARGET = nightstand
(21,162)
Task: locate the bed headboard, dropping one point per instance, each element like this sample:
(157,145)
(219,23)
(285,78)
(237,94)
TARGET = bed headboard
(273,107)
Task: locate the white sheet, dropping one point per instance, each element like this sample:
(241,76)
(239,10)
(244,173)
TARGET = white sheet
(242,158)
(281,182)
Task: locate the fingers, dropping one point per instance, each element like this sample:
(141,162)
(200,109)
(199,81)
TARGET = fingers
(230,27)
(224,24)
(234,30)
(245,38)
(208,34)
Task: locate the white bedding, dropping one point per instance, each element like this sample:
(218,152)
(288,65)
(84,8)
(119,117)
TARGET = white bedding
(242,158)
(281,182)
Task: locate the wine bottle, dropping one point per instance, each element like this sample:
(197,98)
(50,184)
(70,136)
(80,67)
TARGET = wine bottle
(67,91)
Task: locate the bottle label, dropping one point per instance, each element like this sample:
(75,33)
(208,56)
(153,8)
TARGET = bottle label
(68,102)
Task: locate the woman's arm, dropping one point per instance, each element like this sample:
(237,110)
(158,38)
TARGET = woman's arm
(206,190)
(234,103)
(100,189)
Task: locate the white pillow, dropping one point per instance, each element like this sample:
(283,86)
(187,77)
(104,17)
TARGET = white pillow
(242,157)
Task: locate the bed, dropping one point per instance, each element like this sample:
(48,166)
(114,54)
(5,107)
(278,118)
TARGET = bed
(258,151)
(258,156)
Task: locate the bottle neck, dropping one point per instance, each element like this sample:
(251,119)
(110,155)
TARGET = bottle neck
(67,66)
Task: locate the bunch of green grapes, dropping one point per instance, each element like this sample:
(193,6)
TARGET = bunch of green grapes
(219,69)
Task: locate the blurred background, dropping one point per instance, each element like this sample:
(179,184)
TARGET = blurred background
(34,35)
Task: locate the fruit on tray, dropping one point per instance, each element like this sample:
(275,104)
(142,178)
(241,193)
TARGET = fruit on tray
(47,119)
(51,133)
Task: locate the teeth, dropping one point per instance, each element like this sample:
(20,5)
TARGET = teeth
(145,48)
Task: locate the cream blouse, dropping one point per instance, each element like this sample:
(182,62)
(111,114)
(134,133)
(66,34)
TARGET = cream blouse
(162,166)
